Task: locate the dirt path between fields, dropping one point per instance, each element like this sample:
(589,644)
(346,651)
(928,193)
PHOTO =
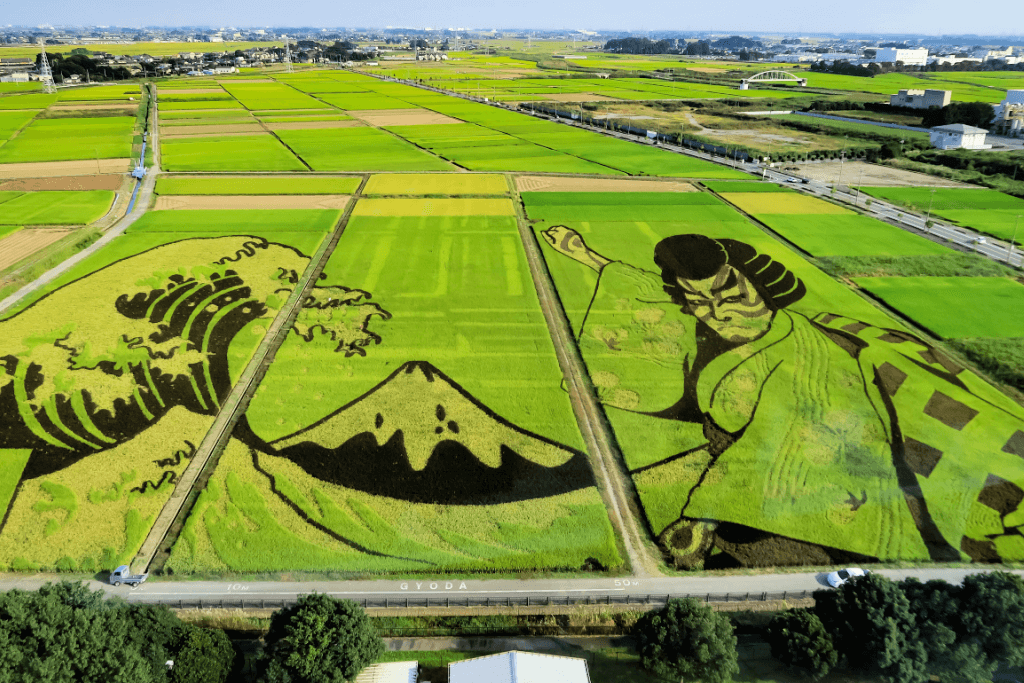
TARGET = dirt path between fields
(617,488)
(530,183)
(295,201)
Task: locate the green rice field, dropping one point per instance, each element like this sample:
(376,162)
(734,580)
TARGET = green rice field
(436,184)
(227,153)
(56,208)
(70,139)
(414,417)
(267,221)
(845,235)
(359,149)
(437,397)
(95,513)
(634,339)
(954,307)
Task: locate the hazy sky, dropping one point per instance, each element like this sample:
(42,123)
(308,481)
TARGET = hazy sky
(788,17)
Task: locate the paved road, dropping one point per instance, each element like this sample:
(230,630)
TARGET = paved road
(997,250)
(442,587)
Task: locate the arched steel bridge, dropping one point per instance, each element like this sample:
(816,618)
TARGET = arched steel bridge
(772,77)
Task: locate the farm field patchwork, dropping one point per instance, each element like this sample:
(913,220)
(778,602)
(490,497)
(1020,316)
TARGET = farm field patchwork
(702,337)
(96,450)
(954,307)
(254,185)
(394,442)
(255,96)
(228,153)
(843,235)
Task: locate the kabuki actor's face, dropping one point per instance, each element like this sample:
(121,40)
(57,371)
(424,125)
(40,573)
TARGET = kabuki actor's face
(729,304)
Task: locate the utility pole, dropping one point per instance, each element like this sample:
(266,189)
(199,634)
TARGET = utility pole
(929,217)
(287,55)
(1009,252)
(45,74)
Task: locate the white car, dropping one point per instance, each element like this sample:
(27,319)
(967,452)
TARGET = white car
(837,579)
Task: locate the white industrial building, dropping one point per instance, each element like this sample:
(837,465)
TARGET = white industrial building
(921,99)
(959,136)
(1009,119)
(519,667)
(917,56)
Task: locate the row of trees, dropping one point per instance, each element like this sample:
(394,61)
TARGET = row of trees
(80,64)
(978,114)
(640,46)
(64,633)
(909,631)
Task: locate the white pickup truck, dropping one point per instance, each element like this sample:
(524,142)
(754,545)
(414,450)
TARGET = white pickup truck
(123,574)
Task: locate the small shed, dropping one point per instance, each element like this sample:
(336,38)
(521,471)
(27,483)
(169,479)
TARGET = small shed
(959,136)
(519,667)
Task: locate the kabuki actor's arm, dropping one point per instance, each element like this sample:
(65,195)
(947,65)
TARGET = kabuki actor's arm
(569,242)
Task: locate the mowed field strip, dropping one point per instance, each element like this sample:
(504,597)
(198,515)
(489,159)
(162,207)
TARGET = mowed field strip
(208,202)
(255,185)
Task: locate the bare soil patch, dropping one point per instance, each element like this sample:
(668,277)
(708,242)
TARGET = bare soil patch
(24,243)
(95,105)
(705,70)
(188,131)
(579,97)
(52,169)
(403,117)
(556,184)
(110,181)
(202,202)
(873,175)
(303,125)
